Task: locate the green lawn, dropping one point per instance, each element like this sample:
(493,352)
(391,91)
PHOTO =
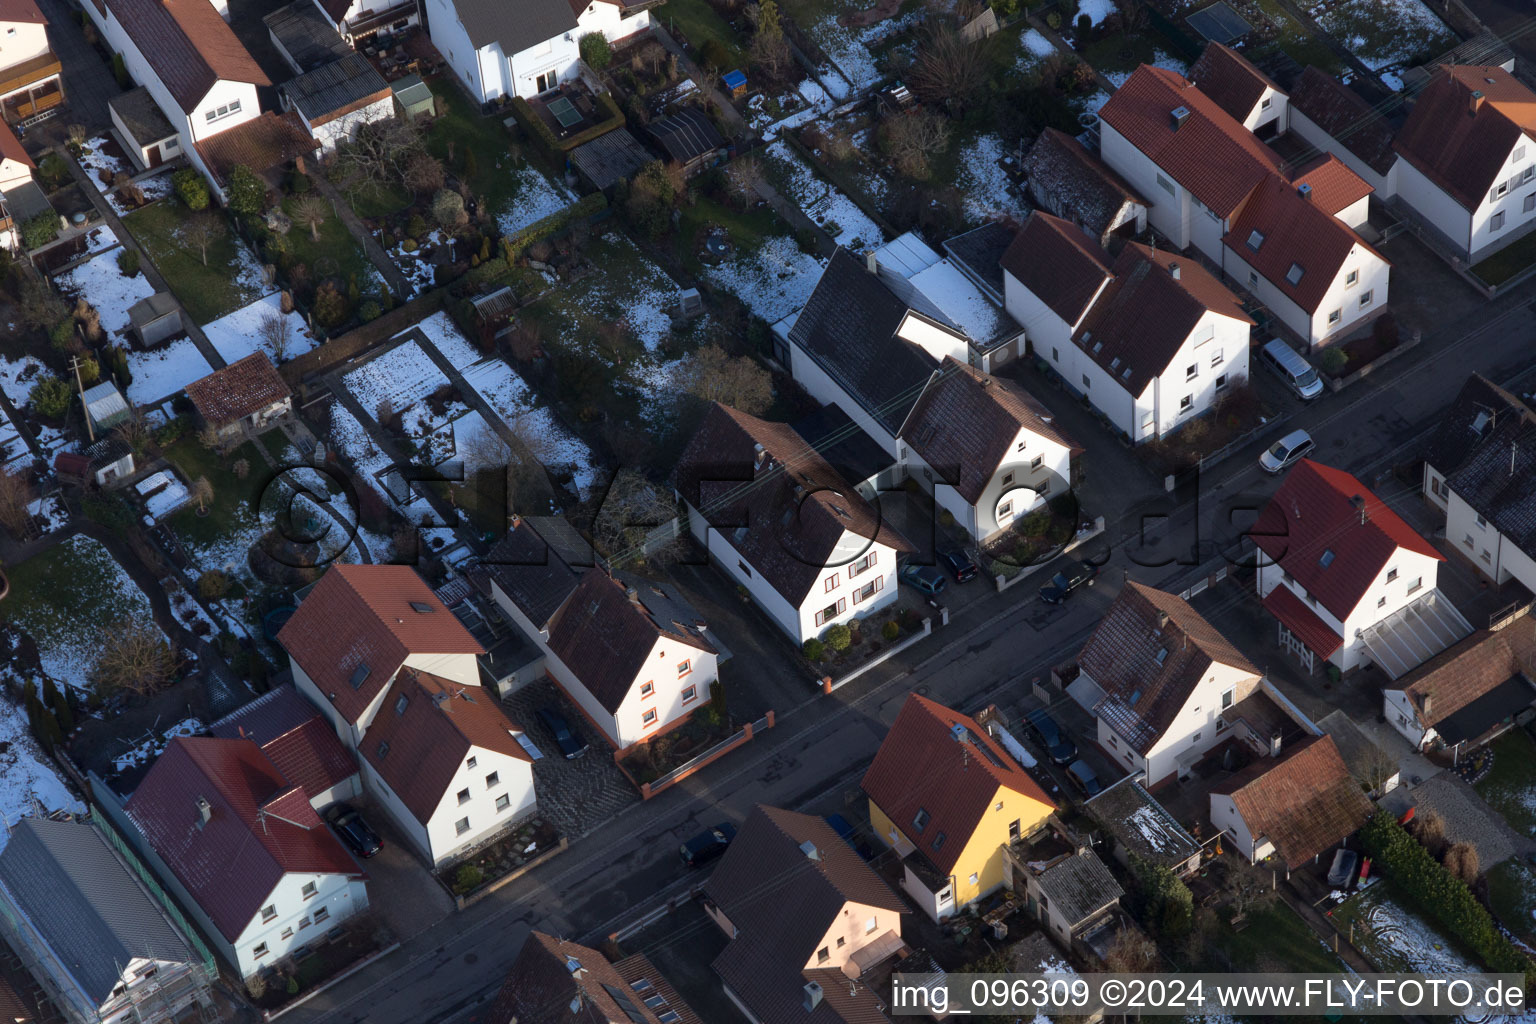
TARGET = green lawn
(699,22)
(1298,42)
(462,125)
(1512,894)
(208,292)
(336,254)
(1508,261)
(1510,788)
(1273,938)
(747,228)
(377,201)
(231,508)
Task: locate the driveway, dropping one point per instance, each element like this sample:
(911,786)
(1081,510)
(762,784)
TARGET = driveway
(1467,817)
(400,888)
(88,81)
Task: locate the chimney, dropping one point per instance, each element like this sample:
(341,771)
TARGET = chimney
(1305,191)
(759,453)
(574,966)
(872,264)
(1358,501)
(1475,102)
(809,849)
(812,996)
(1173,271)
(632,593)
(204,810)
(1427,702)
(1178,117)
(1162,619)
(1274,743)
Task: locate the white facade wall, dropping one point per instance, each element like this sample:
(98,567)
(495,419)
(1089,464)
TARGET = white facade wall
(341,129)
(820,385)
(1271,108)
(1170,212)
(1435,489)
(341,897)
(1016,482)
(514,780)
(857,926)
(1426,199)
(628,725)
(1404,717)
(1192,732)
(13,172)
(21,41)
(1042,326)
(1384,184)
(1225,817)
(1373,276)
(1494,555)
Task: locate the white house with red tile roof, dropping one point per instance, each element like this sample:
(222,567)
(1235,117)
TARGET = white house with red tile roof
(298,741)
(1248,95)
(242,849)
(29,70)
(1335,562)
(16,166)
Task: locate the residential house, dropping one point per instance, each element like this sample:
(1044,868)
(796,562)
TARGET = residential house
(1468,158)
(1152,340)
(1071,894)
(629,652)
(554,981)
(1478,469)
(396,675)
(335,100)
(1290,237)
(1157,677)
(986,449)
(16,169)
(1246,94)
(89,932)
(1336,563)
(689,139)
(106,463)
(298,741)
(1334,119)
(805,917)
(247,395)
(978,254)
(500,50)
(511,660)
(1469,693)
(947,799)
(785,525)
(360,20)
(1143,829)
(1066,180)
(146,134)
(240,846)
(1297,806)
(30,73)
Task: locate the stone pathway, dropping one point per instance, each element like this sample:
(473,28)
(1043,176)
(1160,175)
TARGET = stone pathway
(88,82)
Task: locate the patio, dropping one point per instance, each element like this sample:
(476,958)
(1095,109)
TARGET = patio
(568,110)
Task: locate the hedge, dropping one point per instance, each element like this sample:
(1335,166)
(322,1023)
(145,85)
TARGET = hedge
(545,136)
(1414,870)
(586,206)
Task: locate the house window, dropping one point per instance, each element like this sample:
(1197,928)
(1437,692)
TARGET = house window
(938,840)
(842,941)
(1019,447)
(1227,697)
(871,925)
(862,565)
(1007,479)
(1518,155)
(1221,382)
(1294,274)
(503,802)
(1391,574)
(1351,279)
(232,107)
(869,590)
(1530,203)
(1255,239)
(743,567)
(1112,741)
(1044,486)
(287,933)
(1004,510)
(685,667)
(831,611)
(260,951)
(823,955)
(830,584)
(975,878)
(690,694)
(1264,103)
(647,688)
(1381,602)
(1365,299)
(920,819)
(1192,371)
(1496,222)
(1166,185)
(493,780)
(1498,193)
(1186,404)
(1487,557)
(1086,382)
(268,913)
(649,718)
(1335,317)
(1482,524)
(304,922)
(461,826)
(1253,279)
(1467,540)
(1416,584)
(1037,462)
(309,890)
(1196,738)
(321,913)
(463,797)
(470,764)
(1217,358)
(1055,354)
(999,806)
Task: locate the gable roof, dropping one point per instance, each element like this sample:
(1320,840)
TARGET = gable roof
(606,631)
(260,827)
(22,11)
(188,46)
(965,423)
(531,572)
(1079,885)
(1463,126)
(1303,802)
(1313,529)
(1058,263)
(979,252)
(1148,654)
(1345,116)
(1229,80)
(359,624)
(240,389)
(11,147)
(1495,478)
(1469,421)
(514,27)
(1210,154)
(85,904)
(1141,825)
(848,328)
(555,981)
(1065,176)
(1334,187)
(1471,669)
(778,503)
(295,737)
(685,135)
(426,728)
(1143,318)
(923,766)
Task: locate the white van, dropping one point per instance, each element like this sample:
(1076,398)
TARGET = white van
(1287,364)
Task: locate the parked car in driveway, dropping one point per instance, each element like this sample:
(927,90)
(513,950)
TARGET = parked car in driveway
(707,845)
(1076,575)
(1292,368)
(959,564)
(1287,451)
(349,825)
(1051,736)
(566,738)
(923,577)
(1084,778)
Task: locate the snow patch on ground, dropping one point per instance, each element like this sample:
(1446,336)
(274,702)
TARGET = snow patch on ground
(18,376)
(537,198)
(851,59)
(1384,33)
(514,401)
(238,334)
(94,160)
(377,470)
(1097,10)
(50,512)
(404,376)
(165,371)
(1033,48)
(26,777)
(102,285)
(417,266)
(823,202)
(774,281)
(986,186)
(816,103)
(1397,939)
(153,746)
(1160,59)
(99,239)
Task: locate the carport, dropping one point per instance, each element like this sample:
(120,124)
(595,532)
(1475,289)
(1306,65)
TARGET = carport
(1415,633)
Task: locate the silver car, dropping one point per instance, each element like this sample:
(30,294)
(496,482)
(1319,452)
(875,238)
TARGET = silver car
(1287,451)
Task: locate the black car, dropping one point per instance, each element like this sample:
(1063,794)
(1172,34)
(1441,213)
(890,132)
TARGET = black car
(707,845)
(959,564)
(353,830)
(1069,579)
(567,739)
(1051,736)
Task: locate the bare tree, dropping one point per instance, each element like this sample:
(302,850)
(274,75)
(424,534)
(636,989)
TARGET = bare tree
(631,510)
(16,493)
(277,331)
(199,231)
(1461,861)
(770,53)
(483,449)
(380,152)
(739,382)
(39,305)
(134,657)
(210,437)
(949,70)
(312,211)
(1375,769)
(424,173)
(742,178)
(1429,830)
(202,493)
(134,431)
(1132,952)
(912,139)
(241,468)
(838,141)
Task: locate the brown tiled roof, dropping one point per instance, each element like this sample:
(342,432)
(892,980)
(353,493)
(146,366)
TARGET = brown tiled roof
(1229,80)
(1334,186)
(1313,514)
(240,389)
(605,634)
(1148,654)
(1066,177)
(1145,315)
(1321,639)
(366,615)
(531,572)
(785,515)
(295,737)
(425,729)
(1468,424)
(965,423)
(1470,669)
(188,46)
(638,970)
(922,766)
(13,1009)
(261,144)
(1210,154)
(23,11)
(1345,116)
(555,981)
(11,148)
(1303,802)
(1460,141)
(1495,478)
(1061,265)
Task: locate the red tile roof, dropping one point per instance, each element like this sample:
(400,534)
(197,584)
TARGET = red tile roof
(261,144)
(23,11)
(1304,802)
(11,148)
(1340,111)
(188,45)
(1334,186)
(555,981)
(242,388)
(1229,80)
(1060,264)
(1210,154)
(922,766)
(1308,627)
(295,737)
(260,827)
(1312,520)
(366,615)
(1460,141)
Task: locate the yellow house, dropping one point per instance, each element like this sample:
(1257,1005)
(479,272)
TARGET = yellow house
(947,799)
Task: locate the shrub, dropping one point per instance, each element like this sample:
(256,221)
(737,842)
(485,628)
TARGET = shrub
(466,878)
(1334,360)
(415,227)
(299,183)
(128,262)
(62,334)
(1167,904)
(595,50)
(247,192)
(120,71)
(330,306)
(448,209)
(40,230)
(50,397)
(212,585)
(191,189)
(293,985)
(1053,21)
(1084,26)
(890,630)
(369,311)
(171,432)
(814,649)
(714,54)
(52,171)
(838,637)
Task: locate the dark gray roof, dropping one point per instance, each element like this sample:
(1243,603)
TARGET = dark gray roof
(532,572)
(514,26)
(27,200)
(979,253)
(848,327)
(1465,425)
(303,32)
(1079,885)
(844,444)
(1141,825)
(410,91)
(85,903)
(335,86)
(686,135)
(1495,480)
(1069,181)
(611,158)
(141,115)
(150,309)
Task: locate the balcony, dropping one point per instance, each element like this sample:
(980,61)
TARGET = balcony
(29,73)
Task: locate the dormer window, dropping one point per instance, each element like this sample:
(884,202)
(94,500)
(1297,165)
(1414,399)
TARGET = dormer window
(1255,239)
(421,608)
(920,819)
(1327,559)
(358,675)
(1294,274)
(1162,655)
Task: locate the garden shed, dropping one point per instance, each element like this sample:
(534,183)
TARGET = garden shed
(610,159)
(412,97)
(155,319)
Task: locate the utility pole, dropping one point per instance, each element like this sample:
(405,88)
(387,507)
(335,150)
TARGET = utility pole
(74,364)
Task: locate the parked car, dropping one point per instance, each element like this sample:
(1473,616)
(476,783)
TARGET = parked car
(1084,778)
(1287,451)
(566,738)
(923,577)
(707,845)
(1052,737)
(1292,368)
(1069,579)
(842,827)
(353,830)
(959,564)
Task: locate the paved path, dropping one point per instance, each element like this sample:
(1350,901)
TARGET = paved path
(88,80)
(360,233)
